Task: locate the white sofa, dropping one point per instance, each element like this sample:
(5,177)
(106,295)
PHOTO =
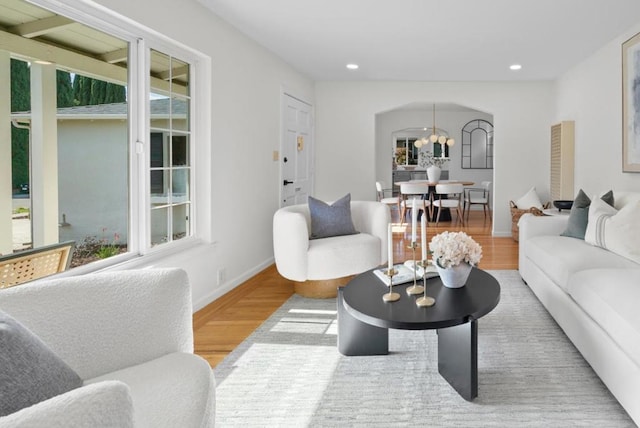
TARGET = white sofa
(129,336)
(299,258)
(593,294)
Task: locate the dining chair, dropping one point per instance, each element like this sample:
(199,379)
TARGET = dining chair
(477,196)
(381,196)
(448,196)
(409,192)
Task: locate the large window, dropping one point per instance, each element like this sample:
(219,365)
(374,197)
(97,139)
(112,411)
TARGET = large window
(97,156)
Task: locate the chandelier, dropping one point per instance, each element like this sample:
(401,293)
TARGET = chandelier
(435,137)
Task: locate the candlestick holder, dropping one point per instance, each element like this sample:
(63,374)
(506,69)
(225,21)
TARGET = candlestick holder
(415,288)
(390,296)
(425,301)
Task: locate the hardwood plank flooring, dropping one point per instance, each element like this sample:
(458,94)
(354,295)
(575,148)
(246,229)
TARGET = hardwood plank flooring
(226,322)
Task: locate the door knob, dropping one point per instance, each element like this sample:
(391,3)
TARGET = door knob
(287,182)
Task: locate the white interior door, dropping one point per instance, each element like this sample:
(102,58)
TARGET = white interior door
(296,150)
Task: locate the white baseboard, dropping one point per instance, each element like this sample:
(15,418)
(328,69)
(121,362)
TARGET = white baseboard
(230,285)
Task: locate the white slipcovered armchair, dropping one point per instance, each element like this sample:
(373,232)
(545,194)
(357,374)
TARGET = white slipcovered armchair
(319,266)
(129,336)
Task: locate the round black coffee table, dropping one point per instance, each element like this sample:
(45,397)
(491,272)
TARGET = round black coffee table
(364,319)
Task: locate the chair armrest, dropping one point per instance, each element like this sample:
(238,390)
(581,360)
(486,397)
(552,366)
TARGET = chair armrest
(99,323)
(469,190)
(290,244)
(106,404)
(531,225)
(372,218)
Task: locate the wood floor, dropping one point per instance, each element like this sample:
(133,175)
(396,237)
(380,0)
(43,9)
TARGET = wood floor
(226,322)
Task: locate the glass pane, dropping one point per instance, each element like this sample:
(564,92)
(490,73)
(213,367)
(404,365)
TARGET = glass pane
(158,180)
(181,224)
(157,150)
(91,152)
(180,185)
(180,76)
(179,150)
(179,114)
(159,226)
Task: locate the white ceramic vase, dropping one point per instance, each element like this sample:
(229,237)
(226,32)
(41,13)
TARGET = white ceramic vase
(433,173)
(456,276)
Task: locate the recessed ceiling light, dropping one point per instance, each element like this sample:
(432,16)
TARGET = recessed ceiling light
(515,67)
(352,66)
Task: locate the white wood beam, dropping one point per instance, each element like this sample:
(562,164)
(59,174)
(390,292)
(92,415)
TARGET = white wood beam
(119,55)
(44,155)
(6,203)
(41,26)
(174,73)
(84,64)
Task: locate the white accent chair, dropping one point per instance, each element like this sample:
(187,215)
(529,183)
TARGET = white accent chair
(319,266)
(449,196)
(129,336)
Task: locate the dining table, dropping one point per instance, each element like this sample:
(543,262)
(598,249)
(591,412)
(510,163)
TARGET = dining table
(433,183)
(431,187)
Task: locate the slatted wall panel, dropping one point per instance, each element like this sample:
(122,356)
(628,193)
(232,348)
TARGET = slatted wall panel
(562,160)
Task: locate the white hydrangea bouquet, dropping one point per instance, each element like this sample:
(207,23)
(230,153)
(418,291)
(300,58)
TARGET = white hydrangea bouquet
(449,249)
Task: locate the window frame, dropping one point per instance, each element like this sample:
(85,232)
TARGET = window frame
(141,41)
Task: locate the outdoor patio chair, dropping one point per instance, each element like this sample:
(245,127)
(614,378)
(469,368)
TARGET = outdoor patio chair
(24,266)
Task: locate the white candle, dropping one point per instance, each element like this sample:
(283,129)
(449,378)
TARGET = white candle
(423,235)
(390,247)
(414,220)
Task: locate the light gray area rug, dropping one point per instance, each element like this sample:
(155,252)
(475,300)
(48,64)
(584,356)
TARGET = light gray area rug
(289,373)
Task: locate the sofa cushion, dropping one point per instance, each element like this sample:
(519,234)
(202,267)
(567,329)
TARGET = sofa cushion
(331,220)
(611,297)
(579,214)
(30,371)
(617,231)
(178,381)
(346,255)
(560,257)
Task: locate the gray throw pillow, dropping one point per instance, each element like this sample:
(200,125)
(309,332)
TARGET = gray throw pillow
(30,372)
(331,220)
(579,214)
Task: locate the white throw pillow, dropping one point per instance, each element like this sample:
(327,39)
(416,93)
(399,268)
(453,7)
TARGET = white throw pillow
(530,199)
(616,231)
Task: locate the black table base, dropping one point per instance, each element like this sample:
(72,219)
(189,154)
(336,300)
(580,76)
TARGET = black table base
(364,320)
(457,348)
(458,358)
(359,338)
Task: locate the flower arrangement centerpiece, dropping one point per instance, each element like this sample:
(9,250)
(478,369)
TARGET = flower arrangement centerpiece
(454,254)
(427,159)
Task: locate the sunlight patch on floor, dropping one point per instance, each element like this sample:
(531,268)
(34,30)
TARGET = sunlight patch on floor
(290,380)
(309,321)
(312,311)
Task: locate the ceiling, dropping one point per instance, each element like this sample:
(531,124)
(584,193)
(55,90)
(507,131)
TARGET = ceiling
(431,40)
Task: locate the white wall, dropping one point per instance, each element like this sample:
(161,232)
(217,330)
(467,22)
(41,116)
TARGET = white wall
(451,121)
(96,205)
(591,95)
(346,141)
(247,81)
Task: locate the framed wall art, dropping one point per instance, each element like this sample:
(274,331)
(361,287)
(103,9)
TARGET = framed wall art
(631,104)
